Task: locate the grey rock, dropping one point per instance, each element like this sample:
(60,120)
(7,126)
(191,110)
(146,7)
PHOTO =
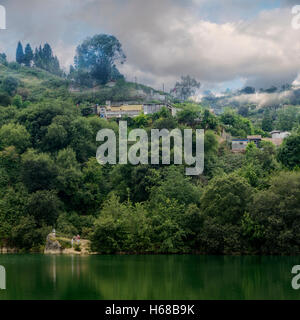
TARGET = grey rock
(52,245)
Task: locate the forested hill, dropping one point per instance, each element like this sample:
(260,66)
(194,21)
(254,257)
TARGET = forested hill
(32,84)
(49,177)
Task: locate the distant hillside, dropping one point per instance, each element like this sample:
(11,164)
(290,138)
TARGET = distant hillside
(35,84)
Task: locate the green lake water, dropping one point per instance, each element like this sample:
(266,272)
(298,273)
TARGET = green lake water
(148,277)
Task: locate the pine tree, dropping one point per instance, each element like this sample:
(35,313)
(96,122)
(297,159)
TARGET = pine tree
(3,58)
(37,59)
(28,55)
(44,59)
(20,53)
(47,52)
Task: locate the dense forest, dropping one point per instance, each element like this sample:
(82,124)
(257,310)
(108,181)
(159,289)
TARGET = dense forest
(242,204)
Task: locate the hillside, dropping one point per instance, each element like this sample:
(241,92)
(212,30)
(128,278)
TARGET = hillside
(50,177)
(35,84)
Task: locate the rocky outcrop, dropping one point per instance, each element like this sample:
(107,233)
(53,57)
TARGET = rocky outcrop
(52,245)
(8,250)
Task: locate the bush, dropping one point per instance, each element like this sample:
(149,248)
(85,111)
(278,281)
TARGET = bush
(77,247)
(14,65)
(5,99)
(10,85)
(66,244)
(14,135)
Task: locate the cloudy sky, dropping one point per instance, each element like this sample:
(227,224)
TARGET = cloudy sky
(224,44)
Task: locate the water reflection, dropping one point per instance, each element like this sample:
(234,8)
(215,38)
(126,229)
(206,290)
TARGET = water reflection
(54,270)
(148,277)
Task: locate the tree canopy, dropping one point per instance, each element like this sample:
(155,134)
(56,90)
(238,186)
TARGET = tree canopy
(97,58)
(186,87)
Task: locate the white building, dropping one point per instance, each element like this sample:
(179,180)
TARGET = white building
(277,134)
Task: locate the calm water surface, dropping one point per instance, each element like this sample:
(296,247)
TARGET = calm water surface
(148,277)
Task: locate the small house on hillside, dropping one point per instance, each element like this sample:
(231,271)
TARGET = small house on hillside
(277,134)
(254,139)
(239,145)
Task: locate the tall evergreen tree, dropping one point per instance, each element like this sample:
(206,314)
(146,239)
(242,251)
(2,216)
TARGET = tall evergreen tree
(37,58)
(20,53)
(47,52)
(3,58)
(44,59)
(28,57)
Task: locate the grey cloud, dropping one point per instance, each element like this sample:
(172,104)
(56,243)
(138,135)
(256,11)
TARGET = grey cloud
(264,99)
(164,39)
(289,2)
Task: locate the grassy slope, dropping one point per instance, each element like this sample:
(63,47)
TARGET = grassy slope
(37,84)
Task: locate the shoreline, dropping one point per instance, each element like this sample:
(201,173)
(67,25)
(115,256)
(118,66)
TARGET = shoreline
(68,252)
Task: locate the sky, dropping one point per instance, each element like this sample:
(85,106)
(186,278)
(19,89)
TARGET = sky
(223,44)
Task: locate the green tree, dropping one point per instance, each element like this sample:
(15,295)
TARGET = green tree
(187,116)
(69,177)
(168,234)
(3,58)
(109,231)
(28,57)
(272,225)
(10,162)
(220,238)
(236,124)
(24,233)
(226,198)
(97,57)
(5,99)
(165,123)
(186,87)
(20,53)
(38,171)
(94,188)
(10,85)
(17,101)
(83,139)
(43,58)
(210,156)
(37,119)
(56,138)
(243,111)
(209,121)
(176,186)
(287,119)
(44,206)
(14,135)
(289,152)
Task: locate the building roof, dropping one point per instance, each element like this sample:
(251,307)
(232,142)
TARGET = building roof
(137,107)
(254,137)
(278,131)
(131,107)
